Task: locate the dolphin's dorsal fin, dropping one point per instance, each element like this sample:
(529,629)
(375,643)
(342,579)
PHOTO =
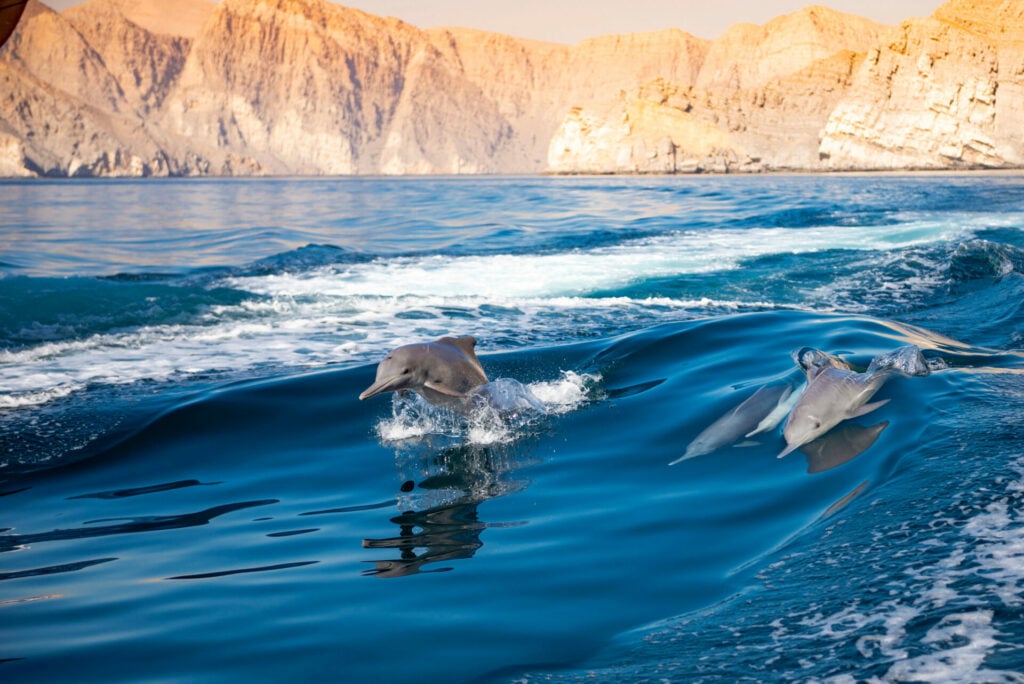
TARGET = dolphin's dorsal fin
(467,345)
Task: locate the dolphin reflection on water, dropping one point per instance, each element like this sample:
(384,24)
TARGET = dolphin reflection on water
(840,445)
(439,519)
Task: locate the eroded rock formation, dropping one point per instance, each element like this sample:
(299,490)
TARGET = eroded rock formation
(186,87)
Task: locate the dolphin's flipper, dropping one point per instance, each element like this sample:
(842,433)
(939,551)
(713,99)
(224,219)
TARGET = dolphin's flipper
(440,388)
(782,408)
(467,345)
(867,408)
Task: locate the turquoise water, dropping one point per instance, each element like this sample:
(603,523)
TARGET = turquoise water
(191,489)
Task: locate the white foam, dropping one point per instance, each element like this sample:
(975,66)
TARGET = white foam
(961,642)
(503,411)
(354,313)
(505,277)
(980,567)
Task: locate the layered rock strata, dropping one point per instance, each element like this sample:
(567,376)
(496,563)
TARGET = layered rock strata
(192,87)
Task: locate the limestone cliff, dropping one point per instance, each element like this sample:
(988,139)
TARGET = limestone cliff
(942,92)
(758,102)
(76,96)
(180,87)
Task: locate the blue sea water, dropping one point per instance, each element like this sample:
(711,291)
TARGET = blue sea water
(190,489)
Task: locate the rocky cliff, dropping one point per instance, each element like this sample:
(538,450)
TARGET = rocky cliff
(941,92)
(184,87)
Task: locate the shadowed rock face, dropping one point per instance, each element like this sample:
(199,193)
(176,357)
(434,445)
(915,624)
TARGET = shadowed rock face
(187,87)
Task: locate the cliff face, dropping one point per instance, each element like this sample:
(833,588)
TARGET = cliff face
(942,92)
(157,87)
(78,91)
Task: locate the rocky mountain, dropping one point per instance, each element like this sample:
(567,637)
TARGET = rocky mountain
(941,92)
(188,87)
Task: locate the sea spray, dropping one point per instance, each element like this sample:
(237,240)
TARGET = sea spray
(501,411)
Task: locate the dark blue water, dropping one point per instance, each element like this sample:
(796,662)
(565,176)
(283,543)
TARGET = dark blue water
(192,491)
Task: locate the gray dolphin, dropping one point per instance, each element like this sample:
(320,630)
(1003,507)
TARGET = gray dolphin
(832,396)
(746,419)
(835,394)
(444,372)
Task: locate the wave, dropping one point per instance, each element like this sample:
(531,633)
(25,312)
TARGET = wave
(294,474)
(920,581)
(64,341)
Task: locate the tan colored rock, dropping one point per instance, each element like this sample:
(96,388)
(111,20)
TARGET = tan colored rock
(180,18)
(747,56)
(239,87)
(12,157)
(654,129)
(762,111)
(941,92)
(77,95)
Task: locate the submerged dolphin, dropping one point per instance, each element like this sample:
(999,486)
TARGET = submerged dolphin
(835,394)
(444,372)
(746,419)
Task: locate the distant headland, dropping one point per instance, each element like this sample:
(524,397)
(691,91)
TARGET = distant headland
(308,87)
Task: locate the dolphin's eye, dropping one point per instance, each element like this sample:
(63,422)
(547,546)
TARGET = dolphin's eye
(406,371)
(817,424)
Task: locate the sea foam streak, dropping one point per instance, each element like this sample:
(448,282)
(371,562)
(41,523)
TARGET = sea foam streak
(352,312)
(578,272)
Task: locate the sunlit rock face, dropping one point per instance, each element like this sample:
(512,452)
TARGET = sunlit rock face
(243,87)
(940,92)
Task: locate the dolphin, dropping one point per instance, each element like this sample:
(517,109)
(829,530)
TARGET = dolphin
(744,419)
(444,372)
(832,396)
(835,394)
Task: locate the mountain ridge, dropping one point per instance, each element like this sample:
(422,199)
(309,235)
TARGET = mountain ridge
(308,87)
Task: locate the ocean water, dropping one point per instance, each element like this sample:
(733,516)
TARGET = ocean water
(191,490)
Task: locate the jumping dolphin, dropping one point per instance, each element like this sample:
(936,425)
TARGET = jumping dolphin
(745,419)
(835,394)
(444,372)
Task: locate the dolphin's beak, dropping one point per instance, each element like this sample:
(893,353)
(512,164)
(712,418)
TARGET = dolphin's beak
(386,385)
(789,449)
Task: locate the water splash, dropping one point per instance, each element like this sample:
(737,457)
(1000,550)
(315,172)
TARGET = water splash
(502,410)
